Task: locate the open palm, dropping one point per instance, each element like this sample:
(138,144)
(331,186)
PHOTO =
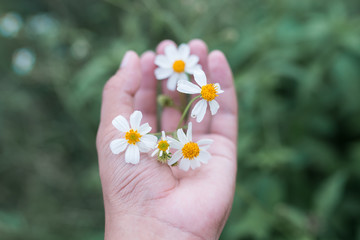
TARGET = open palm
(151,200)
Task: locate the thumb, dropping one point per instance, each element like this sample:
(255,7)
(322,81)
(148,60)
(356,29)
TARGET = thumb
(119,91)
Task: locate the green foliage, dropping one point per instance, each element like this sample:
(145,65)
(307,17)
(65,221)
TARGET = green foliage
(296,67)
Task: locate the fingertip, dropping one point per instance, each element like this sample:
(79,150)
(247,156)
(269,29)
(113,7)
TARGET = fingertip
(129,56)
(131,72)
(160,48)
(217,56)
(147,68)
(198,44)
(220,69)
(133,59)
(147,62)
(199,48)
(120,89)
(145,97)
(128,76)
(147,54)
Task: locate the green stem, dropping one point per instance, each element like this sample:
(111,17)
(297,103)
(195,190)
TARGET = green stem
(186,110)
(158,134)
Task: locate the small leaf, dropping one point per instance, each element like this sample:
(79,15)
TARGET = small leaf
(329,195)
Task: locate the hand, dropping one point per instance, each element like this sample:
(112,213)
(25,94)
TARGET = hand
(152,200)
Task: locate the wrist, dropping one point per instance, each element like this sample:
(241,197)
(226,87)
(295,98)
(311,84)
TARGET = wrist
(125,226)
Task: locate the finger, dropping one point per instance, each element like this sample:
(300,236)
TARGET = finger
(120,89)
(170,116)
(220,72)
(199,48)
(145,97)
(119,99)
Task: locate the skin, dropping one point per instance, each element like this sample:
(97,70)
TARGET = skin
(152,200)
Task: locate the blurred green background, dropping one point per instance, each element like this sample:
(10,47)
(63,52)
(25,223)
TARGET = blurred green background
(297,70)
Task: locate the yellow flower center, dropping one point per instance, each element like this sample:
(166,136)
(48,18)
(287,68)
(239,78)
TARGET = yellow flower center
(132,136)
(209,92)
(179,66)
(163,145)
(190,150)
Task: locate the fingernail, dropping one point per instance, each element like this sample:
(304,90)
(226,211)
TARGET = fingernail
(125,59)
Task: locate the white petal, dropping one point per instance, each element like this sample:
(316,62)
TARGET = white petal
(175,157)
(143,147)
(202,112)
(163,135)
(181,136)
(184,51)
(171,52)
(195,163)
(149,140)
(218,89)
(189,132)
(200,77)
(135,119)
(174,143)
(132,154)
(162,61)
(204,156)
(183,76)
(121,124)
(199,110)
(162,73)
(118,145)
(155,152)
(214,107)
(204,148)
(144,129)
(188,87)
(172,81)
(193,69)
(184,164)
(205,142)
(161,153)
(192,164)
(191,61)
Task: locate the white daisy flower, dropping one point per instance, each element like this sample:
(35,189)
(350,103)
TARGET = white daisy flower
(208,93)
(162,147)
(136,139)
(175,64)
(189,153)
